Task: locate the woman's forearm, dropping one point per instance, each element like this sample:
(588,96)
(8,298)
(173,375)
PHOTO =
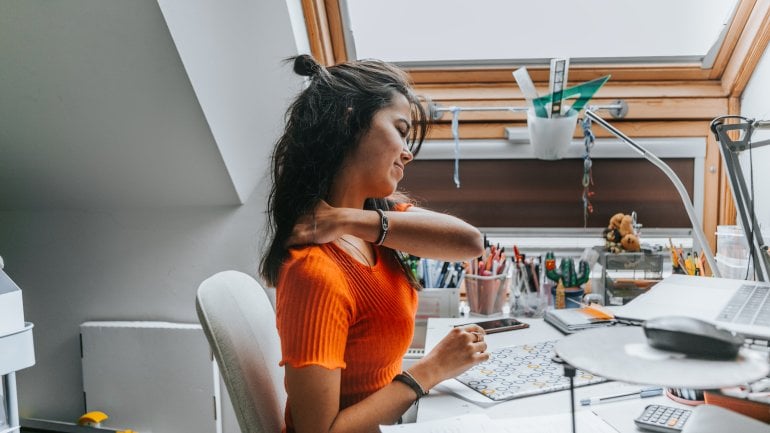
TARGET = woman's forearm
(421,233)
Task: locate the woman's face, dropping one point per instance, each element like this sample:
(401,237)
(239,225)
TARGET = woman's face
(377,164)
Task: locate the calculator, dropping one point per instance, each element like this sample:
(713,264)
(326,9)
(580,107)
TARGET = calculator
(665,419)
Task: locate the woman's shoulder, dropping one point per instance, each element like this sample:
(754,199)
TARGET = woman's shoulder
(310,273)
(307,253)
(309,262)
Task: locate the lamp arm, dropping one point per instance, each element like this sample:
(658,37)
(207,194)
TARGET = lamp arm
(700,237)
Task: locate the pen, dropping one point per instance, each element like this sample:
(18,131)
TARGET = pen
(642,393)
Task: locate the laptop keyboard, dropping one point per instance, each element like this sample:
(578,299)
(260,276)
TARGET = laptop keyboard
(750,305)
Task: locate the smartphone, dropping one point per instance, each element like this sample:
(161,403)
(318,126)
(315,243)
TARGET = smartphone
(499,325)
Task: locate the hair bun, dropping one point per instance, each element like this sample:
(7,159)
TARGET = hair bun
(306,66)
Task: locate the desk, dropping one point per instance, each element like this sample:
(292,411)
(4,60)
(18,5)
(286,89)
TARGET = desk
(441,403)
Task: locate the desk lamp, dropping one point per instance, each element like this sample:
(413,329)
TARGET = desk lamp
(622,353)
(730,148)
(700,237)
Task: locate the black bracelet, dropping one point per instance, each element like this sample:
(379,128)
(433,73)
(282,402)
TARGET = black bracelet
(406,378)
(384,225)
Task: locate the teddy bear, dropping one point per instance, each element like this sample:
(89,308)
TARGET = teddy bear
(620,234)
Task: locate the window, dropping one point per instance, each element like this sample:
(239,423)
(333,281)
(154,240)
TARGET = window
(501,32)
(677,64)
(502,186)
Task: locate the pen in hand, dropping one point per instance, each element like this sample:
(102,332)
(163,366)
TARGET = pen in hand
(642,393)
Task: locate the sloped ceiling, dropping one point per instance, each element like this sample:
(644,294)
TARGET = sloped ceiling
(139,103)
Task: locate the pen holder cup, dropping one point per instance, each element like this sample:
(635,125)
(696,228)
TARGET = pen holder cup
(551,136)
(572,298)
(529,297)
(529,304)
(486,295)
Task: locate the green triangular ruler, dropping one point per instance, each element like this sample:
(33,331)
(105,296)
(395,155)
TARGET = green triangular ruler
(584,92)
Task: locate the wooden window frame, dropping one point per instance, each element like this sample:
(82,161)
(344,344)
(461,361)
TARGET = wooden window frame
(664,100)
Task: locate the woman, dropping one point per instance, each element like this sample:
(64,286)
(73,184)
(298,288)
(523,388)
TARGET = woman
(345,301)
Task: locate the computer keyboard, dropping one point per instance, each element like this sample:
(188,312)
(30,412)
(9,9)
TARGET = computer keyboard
(414,353)
(750,305)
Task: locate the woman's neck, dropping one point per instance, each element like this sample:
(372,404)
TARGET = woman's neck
(346,198)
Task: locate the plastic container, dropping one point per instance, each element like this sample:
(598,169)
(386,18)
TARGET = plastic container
(628,275)
(551,137)
(731,243)
(729,267)
(529,293)
(486,295)
(732,255)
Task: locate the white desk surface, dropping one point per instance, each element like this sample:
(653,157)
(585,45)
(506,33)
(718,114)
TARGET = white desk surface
(441,403)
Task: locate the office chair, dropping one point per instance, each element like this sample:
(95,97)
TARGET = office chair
(239,323)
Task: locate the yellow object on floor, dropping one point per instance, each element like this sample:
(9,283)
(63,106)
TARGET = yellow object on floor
(93,419)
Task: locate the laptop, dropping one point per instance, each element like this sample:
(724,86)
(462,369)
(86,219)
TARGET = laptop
(737,305)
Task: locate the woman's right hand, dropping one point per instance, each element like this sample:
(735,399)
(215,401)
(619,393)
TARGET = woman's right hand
(462,348)
(317,227)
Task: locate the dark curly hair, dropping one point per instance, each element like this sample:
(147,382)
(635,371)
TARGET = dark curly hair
(323,125)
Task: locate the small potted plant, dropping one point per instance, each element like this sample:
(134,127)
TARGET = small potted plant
(569,281)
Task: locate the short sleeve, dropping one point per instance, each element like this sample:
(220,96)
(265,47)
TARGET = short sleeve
(401,207)
(313,310)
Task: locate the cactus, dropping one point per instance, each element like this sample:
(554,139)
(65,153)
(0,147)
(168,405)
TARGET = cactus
(566,272)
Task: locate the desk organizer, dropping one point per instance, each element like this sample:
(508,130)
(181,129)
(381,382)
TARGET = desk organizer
(628,275)
(487,295)
(438,302)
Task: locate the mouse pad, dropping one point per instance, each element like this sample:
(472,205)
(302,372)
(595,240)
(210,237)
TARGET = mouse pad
(520,371)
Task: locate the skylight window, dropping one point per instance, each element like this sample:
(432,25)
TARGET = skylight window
(447,32)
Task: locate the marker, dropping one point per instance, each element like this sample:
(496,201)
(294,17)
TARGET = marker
(642,393)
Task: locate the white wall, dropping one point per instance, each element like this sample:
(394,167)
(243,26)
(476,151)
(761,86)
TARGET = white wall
(755,103)
(76,266)
(100,257)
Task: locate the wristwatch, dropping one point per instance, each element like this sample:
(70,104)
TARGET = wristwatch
(383,227)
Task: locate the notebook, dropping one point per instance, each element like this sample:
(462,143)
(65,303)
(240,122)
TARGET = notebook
(737,305)
(569,320)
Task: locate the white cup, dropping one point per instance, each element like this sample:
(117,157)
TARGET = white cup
(551,136)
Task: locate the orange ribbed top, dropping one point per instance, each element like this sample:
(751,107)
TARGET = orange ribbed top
(336,312)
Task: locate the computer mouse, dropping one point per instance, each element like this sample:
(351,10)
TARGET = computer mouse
(693,337)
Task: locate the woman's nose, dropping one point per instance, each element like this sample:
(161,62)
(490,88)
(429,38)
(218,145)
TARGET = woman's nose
(406,155)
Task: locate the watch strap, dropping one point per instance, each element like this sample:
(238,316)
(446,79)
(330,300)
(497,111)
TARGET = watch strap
(384,226)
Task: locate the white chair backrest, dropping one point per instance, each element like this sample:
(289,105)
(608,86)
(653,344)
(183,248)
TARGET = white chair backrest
(239,323)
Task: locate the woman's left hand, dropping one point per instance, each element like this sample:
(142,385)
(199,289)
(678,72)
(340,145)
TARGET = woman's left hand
(462,348)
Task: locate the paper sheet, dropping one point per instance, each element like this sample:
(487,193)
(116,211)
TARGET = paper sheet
(477,422)
(586,421)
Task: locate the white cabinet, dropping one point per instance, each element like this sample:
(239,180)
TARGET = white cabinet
(16,351)
(153,377)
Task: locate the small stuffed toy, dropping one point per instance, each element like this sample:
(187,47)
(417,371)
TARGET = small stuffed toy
(620,235)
